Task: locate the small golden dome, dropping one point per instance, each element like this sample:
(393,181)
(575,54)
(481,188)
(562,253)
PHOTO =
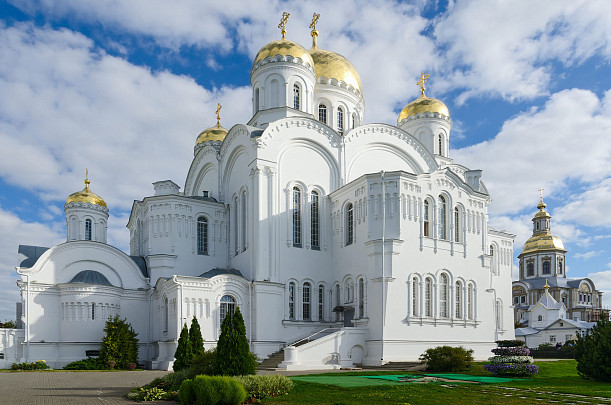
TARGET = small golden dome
(215,133)
(334,66)
(421,105)
(285,48)
(544,242)
(86,196)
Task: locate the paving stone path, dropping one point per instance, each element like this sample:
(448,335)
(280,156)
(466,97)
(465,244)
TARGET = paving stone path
(58,387)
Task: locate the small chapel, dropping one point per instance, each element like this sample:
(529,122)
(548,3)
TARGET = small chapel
(342,243)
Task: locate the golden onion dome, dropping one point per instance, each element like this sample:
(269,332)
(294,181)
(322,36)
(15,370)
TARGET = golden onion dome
(86,196)
(421,105)
(213,134)
(334,66)
(544,242)
(283,47)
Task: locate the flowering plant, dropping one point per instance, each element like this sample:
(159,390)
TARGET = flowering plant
(512,369)
(132,366)
(35,365)
(511,351)
(511,359)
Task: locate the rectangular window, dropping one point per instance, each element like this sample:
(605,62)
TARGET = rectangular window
(523,299)
(291,301)
(306,302)
(340,121)
(321,303)
(322,113)
(552,338)
(296,217)
(568,337)
(315,222)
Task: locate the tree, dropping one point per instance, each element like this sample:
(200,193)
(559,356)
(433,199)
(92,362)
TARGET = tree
(593,352)
(195,336)
(184,351)
(233,356)
(120,344)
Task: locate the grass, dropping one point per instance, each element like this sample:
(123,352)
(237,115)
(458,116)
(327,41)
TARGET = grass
(556,381)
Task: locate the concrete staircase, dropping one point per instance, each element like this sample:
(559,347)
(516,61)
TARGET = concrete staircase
(272,362)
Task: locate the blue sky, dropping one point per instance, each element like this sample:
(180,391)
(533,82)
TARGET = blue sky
(123,89)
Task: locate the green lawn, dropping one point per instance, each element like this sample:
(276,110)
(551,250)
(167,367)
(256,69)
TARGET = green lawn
(555,383)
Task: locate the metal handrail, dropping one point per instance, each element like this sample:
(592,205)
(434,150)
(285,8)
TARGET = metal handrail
(314,334)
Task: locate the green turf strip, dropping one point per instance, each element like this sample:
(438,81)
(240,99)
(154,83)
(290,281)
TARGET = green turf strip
(459,377)
(344,381)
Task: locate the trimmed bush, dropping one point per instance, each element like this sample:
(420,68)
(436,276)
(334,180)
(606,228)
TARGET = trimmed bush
(511,343)
(511,351)
(35,365)
(207,390)
(447,358)
(119,345)
(90,363)
(203,363)
(195,336)
(184,351)
(593,353)
(265,386)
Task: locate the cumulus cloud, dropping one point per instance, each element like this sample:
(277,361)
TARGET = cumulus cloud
(602,280)
(16,231)
(68,106)
(587,255)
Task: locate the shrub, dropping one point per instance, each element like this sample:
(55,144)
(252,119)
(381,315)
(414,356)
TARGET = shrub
(119,345)
(233,356)
(149,394)
(447,358)
(184,351)
(511,351)
(207,390)
(517,369)
(546,346)
(264,386)
(173,380)
(7,325)
(593,353)
(203,363)
(195,336)
(90,363)
(35,365)
(511,343)
(132,366)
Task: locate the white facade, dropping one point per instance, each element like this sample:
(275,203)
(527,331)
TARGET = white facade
(371,233)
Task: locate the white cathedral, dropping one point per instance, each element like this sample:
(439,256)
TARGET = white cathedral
(341,243)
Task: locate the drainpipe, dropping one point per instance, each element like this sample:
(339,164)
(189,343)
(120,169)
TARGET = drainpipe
(27,315)
(250,315)
(148,343)
(181,303)
(383,252)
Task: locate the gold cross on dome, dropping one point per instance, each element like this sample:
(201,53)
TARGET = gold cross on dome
(86,174)
(315,18)
(423,78)
(218,114)
(541,192)
(282,25)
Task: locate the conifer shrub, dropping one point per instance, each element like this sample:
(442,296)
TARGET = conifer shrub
(90,363)
(119,345)
(447,358)
(593,353)
(265,386)
(233,356)
(195,336)
(184,351)
(211,390)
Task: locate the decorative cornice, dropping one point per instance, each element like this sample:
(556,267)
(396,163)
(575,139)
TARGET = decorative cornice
(341,84)
(426,115)
(86,205)
(282,58)
(276,127)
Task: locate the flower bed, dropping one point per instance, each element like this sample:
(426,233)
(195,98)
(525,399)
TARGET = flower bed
(512,369)
(36,365)
(511,358)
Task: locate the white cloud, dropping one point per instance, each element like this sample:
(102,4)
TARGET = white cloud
(508,48)
(590,207)
(15,231)
(67,106)
(602,280)
(587,255)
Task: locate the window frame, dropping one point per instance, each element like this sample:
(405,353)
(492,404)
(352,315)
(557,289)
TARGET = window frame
(226,307)
(296,97)
(88,229)
(202,235)
(340,120)
(426,220)
(297,217)
(306,302)
(291,300)
(322,113)
(315,220)
(349,223)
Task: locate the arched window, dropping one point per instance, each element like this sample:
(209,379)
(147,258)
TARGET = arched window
(493,260)
(415,297)
(428,302)
(256,100)
(291,300)
(353,120)
(530,269)
(315,221)
(87,229)
(337,300)
(321,302)
(470,294)
(443,296)
(440,144)
(227,307)
(236,228)
(340,120)
(540,318)
(560,267)
(322,113)
(361,298)
(202,236)
(426,219)
(243,222)
(349,224)
(305,301)
(296,97)
(93,311)
(166,314)
(296,217)
(499,314)
(456,224)
(274,92)
(458,300)
(348,291)
(442,218)
(547,267)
